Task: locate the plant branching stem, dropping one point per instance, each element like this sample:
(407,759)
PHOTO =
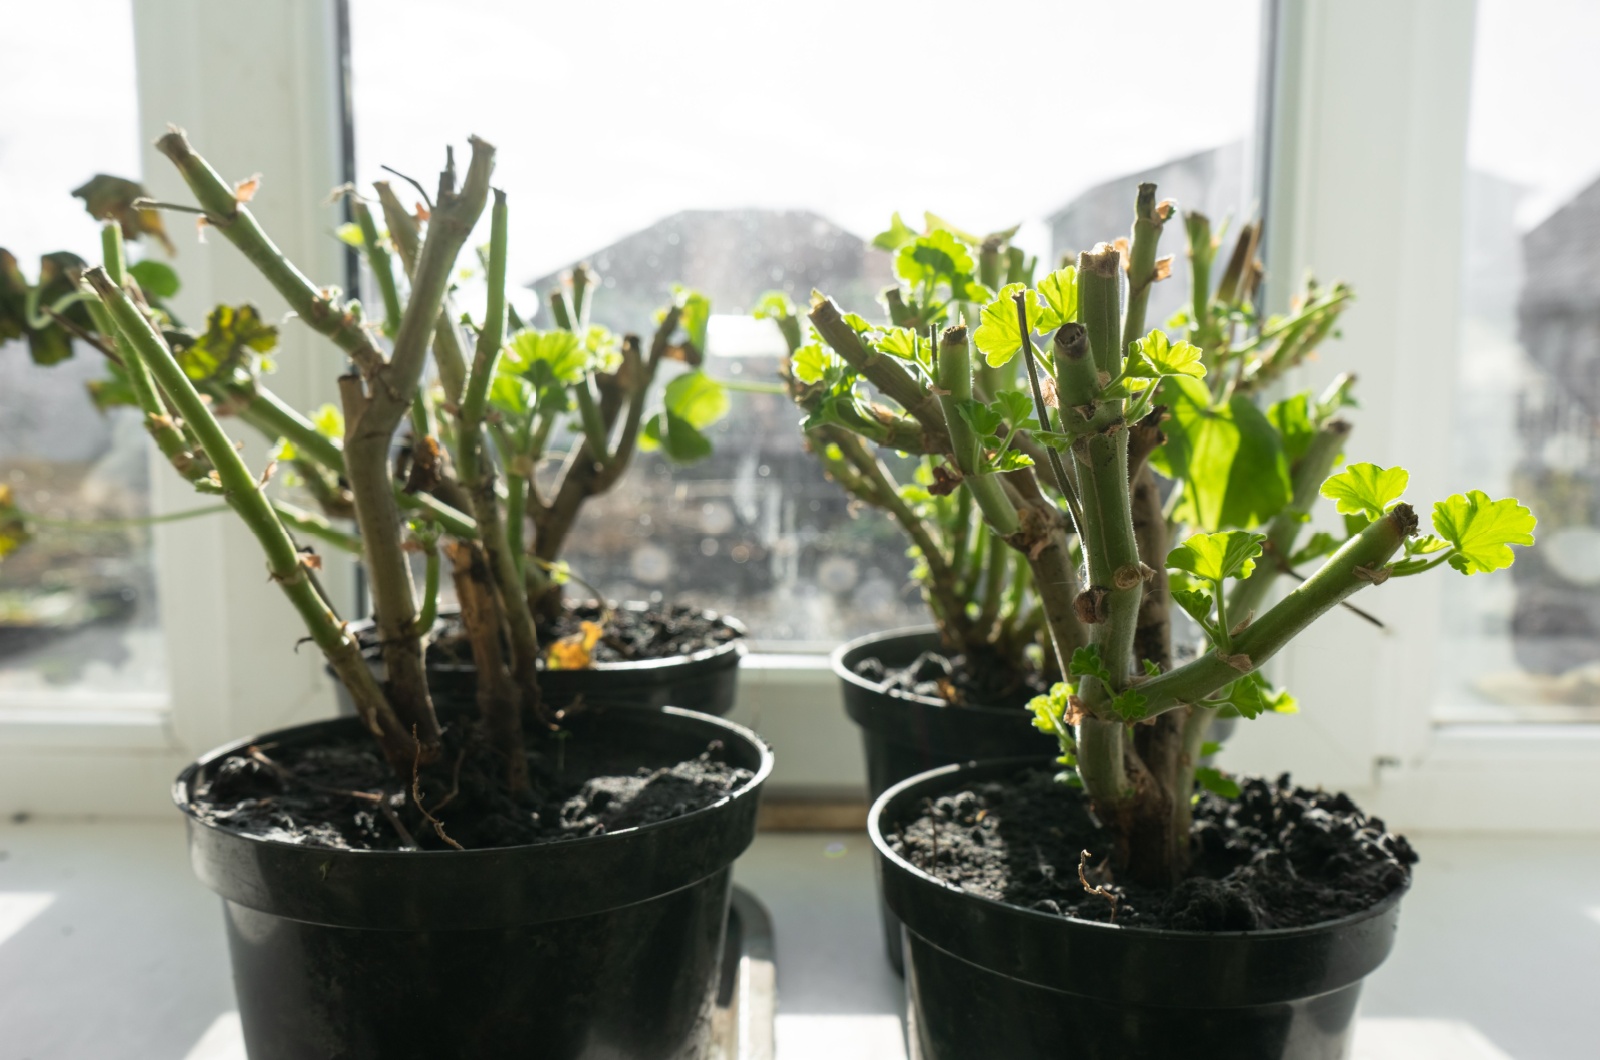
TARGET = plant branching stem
(1355,566)
(244,493)
(477,476)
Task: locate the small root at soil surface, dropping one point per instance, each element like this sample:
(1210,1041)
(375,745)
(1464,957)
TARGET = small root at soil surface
(1083,881)
(416,794)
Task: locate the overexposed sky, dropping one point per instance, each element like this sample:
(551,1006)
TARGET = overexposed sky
(610,115)
(613,113)
(1536,99)
(68,110)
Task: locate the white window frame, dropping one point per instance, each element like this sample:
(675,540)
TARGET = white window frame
(257,86)
(1366,146)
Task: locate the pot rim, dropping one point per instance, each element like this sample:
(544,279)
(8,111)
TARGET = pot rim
(183,783)
(738,646)
(845,673)
(1049,921)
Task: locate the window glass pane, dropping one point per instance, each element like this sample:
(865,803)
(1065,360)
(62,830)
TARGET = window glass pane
(738,148)
(78,619)
(1527,420)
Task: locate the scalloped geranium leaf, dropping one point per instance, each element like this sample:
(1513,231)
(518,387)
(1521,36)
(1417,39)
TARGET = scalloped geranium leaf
(1366,488)
(1482,530)
(1214,557)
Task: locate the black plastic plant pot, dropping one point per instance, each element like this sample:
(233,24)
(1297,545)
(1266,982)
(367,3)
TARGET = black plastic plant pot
(903,735)
(602,947)
(984,978)
(706,680)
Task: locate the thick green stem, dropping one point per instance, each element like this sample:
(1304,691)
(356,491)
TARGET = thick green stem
(879,489)
(1143,272)
(1196,723)
(594,427)
(994,584)
(380,263)
(1361,562)
(244,493)
(1310,470)
(372,415)
(406,236)
(1110,547)
(314,525)
(1202,251)
(316,306)
(112,250)
(1101,753)
(955,378)
(267,413)
(429,612)
(885,373)
(477,475)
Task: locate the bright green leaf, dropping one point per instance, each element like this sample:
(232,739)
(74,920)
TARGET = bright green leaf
(812,363)
(155,278)
(1214,557)
(1292,418)
(1009,460)
(680,441)
(350,235)
(1482,530)
(773,305)
(1015,408)
(510,393)
(1228,458)
(1423,546)
(1252,696)
(1128,704)
(1217,782)
(1086,663)
(899,342)
(1155,356)
(543,356)
(897,235)
(696,399)
(1059,292)
(1366,488)
(997,336)
(328,419)
(694,315)
(1049,711)
(983,419)
(1196,604)
(931,258)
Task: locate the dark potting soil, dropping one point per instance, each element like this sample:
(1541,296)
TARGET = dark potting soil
(1278,856)
(630,635)
(957,680)
(344,796)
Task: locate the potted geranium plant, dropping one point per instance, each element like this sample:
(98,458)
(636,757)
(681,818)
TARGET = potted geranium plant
(949,693)
(1096,902)
(533,876)
(579,383)
(566,412)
